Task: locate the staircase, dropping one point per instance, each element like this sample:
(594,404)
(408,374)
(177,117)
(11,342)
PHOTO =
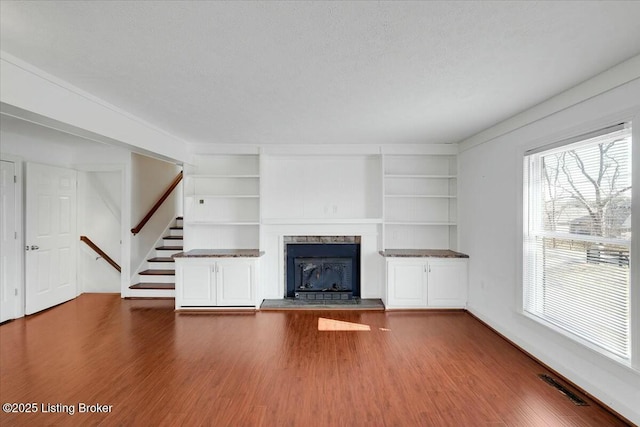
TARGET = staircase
(158,280)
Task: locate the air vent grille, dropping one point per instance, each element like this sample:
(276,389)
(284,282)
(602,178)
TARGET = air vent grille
(562,389)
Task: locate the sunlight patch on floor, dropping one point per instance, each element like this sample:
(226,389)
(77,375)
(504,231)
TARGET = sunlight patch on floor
(339,325)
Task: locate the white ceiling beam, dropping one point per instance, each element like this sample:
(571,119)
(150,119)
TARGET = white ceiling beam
(31,94)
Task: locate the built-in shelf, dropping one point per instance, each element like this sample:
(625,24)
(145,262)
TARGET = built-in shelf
(322,220)
(420,201)
(413,197)
(225,196)
(418,196)
(214,176)
(222,202)
(420,176)
(420,223)
(221,223)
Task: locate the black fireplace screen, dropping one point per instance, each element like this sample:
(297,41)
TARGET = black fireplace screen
(323,274)
(323,271)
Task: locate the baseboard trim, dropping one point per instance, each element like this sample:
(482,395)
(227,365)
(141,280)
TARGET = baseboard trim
(425,310)
(554,372)
(220,310)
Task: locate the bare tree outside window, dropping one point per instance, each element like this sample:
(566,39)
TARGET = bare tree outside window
(584,192)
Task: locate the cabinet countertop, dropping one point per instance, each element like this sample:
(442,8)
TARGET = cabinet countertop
(422,253)
(220,253)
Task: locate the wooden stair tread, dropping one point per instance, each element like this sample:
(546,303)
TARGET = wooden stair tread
(161,259)
(179,217)
(169,248)
(172,237)
(176,228)
(153,286)
(157,273)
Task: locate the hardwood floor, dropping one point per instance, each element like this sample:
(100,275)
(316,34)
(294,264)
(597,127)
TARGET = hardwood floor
(157,367)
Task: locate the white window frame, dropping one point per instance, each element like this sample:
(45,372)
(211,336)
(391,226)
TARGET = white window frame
(631,116)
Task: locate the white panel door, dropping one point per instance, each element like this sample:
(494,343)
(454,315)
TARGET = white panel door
(407,281)
(9,257)
(50,236)
(235,283)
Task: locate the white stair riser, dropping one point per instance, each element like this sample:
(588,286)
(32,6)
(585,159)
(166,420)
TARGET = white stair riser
(161,265)
(152,293)
(179,223)
(166,253)
(172,242)
(176,232)
(157,279)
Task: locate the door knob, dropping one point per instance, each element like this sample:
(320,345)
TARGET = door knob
(34,247)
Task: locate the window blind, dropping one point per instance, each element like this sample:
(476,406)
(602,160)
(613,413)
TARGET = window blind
(577,238)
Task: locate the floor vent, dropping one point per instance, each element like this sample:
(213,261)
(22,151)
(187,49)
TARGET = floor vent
(562,389)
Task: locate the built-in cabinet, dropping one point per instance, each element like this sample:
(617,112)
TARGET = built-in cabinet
(407,284)
(196,285)
(215,282)
(235,201)
(426,283)
(447,283)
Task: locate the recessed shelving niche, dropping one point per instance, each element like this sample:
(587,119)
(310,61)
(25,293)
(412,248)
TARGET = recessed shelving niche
(420,201)
(228,198)
(222,202)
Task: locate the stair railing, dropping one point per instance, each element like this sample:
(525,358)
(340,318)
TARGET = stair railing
(100,252)
(135,230)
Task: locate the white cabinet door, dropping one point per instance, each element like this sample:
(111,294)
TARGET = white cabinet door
(447,283)
(407,284)
(236,283)
(195,285)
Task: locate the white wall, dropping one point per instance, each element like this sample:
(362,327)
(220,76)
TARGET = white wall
(35,150)
(321,187)
(100,219)
(149,180)
(490,229)
(103,216)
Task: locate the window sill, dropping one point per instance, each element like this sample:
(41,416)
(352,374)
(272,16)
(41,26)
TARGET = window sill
(607,355)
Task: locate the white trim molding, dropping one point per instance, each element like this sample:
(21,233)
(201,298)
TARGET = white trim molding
(614,77)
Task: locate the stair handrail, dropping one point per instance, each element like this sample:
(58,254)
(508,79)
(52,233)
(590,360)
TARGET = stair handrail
(135,230)
(101,253)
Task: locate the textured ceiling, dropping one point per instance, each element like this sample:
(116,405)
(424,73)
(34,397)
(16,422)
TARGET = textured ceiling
(322,72)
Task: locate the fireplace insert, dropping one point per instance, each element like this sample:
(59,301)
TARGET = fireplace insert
(320,271)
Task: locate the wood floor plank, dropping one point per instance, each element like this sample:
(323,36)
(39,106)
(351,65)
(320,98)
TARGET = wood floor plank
(159,367)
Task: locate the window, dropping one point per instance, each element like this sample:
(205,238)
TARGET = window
(577,235)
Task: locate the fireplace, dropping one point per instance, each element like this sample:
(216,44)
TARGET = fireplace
(322,267)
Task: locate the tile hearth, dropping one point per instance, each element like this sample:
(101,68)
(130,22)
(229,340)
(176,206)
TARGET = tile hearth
(371,304)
